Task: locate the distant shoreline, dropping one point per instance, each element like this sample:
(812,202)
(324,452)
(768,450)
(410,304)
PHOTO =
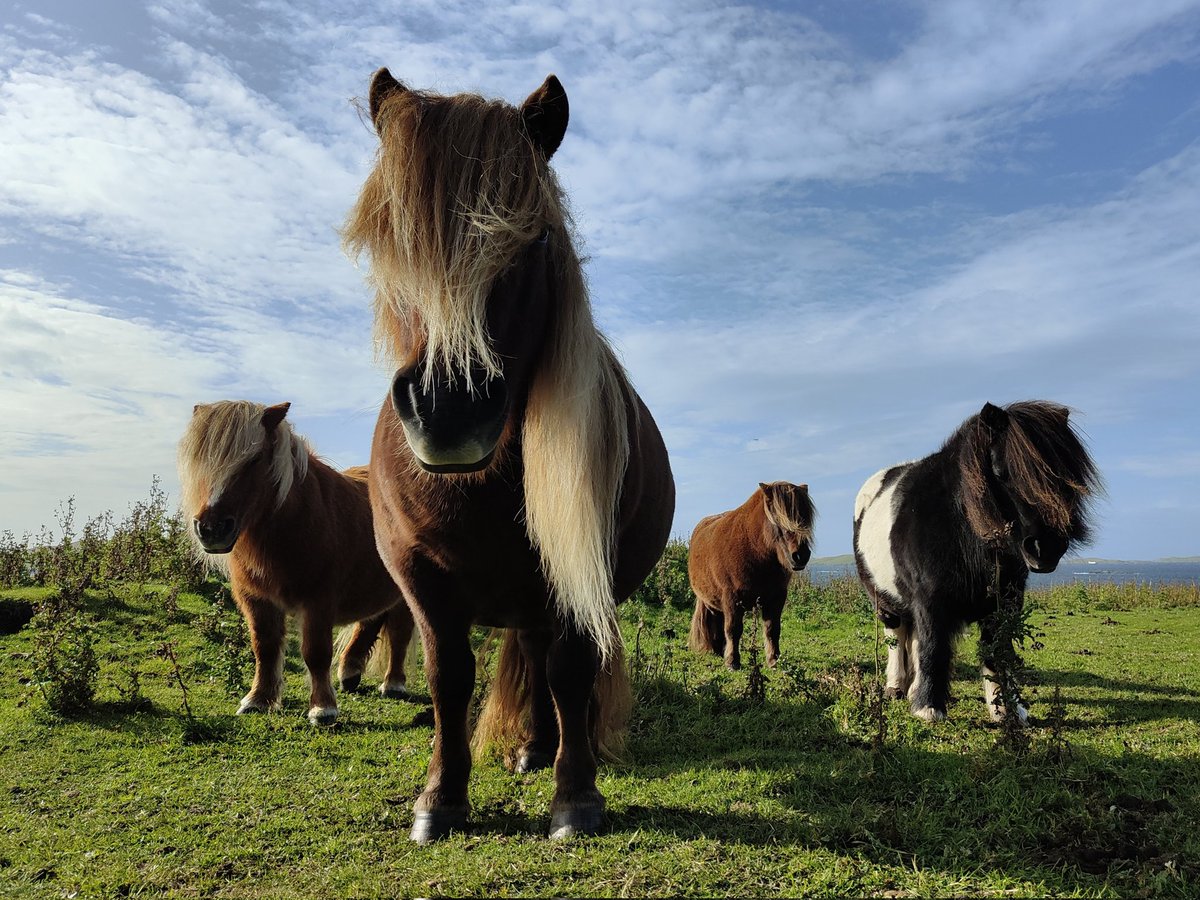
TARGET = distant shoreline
(847,559)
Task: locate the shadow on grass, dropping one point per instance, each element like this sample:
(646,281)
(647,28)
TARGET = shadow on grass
(1156,702)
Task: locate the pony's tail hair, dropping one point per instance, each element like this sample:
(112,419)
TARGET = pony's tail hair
(576,448)
(503,725)
(708,630)
(612,704)
(504,720)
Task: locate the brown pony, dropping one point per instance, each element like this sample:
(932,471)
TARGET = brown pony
(745,558)
(517,479)
(294,536)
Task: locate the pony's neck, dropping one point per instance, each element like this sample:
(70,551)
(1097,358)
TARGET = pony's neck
(294,523)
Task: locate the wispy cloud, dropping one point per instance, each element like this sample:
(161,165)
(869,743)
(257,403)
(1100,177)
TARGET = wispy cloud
(800,232)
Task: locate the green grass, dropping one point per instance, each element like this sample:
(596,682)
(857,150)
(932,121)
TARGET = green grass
(721,795)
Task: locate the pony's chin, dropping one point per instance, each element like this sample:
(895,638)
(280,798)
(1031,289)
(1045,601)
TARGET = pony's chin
(456,467)
(1040,567)
(218,551)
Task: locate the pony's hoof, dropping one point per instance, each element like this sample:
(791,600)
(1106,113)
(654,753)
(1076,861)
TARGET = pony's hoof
(350,683)
(575,821)
(394,691)
(999,713)
(733,664)
(323,715)
(930,715)
(533,761)
(431,825)
(249,705)
(893,693)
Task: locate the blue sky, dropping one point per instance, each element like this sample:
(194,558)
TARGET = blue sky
(820,234)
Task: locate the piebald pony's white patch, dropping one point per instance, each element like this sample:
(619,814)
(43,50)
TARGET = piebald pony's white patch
(874,510)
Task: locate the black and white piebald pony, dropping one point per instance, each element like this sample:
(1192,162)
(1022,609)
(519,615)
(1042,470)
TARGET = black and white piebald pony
(940,541)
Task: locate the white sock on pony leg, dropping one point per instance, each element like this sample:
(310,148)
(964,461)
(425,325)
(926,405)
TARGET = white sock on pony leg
(993,699)
(899,664)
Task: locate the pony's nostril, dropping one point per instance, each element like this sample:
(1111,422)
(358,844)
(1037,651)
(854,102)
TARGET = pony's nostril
(1032,547)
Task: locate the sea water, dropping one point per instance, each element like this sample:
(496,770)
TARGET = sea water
(1069,571)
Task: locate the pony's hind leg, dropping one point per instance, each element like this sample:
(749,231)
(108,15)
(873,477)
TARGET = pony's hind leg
(316,646)
(707,633)
(398,627)
(354,658)
(268,629)
(542,743)
(993,694)
(899,663)
(734,615)
(571,668)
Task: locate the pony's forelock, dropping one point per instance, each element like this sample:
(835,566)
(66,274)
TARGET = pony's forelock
(790,508)
(221,438)
(457,190)
(1049,468)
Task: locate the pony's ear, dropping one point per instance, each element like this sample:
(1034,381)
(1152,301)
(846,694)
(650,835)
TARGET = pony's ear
(196,408)
(993,417)
(544,114)
(383,85)
(273,415)
(802,487)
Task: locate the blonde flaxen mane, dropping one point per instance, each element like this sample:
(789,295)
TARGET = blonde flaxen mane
(221,438)
(457,191)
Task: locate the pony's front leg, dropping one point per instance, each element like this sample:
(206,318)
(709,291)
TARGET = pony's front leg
(542,744)
(354,658)
(571,668)
(268,629)
(930,648)
(316,646)
(398,626)
(993,694)
(900,663)
(450,672)
(771,613)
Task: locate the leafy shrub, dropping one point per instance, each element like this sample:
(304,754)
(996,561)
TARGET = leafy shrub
(63,657)
(667,584)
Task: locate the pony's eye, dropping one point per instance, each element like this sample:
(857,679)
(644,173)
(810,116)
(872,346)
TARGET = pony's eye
(544,237)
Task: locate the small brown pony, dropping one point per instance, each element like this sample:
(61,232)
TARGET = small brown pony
(745,558)
(295,536)
(517,479)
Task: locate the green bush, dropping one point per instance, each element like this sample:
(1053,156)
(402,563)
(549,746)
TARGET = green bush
(667,584)
(63,658)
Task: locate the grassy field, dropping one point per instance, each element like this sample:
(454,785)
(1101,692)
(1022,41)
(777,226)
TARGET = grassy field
(730,789)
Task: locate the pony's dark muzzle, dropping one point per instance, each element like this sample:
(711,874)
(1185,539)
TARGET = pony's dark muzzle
(800,558)
(1042,552)
(216,534)
(449,427)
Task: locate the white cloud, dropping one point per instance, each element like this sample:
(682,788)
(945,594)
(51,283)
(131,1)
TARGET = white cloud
(778,317)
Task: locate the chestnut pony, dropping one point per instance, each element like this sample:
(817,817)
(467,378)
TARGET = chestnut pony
(294,535)
(517,479)
(745,558)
